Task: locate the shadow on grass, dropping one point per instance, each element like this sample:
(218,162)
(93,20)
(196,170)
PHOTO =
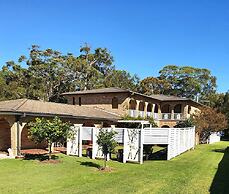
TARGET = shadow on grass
(90,164)
(40,157)
(221,179)
(159,155)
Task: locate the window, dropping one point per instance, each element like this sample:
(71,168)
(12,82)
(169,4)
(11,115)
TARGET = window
(189,109)
(73,100)
(114,103)
(79,101)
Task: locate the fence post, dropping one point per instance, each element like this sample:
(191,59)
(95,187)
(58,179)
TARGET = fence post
(169,144)
(194,137)
(141,138)
(79,126)
(94,139)
(124,144)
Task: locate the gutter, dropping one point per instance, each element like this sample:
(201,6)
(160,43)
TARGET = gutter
(16,113)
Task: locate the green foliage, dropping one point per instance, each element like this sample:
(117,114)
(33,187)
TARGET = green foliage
(49,73)
(221,103)
(184,81)
(106,142)
(189,81)
(49,131)
(153,85)
(186,123)
(137,125)
(121,79)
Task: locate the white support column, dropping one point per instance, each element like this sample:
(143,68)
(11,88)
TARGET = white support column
(16,129)
(137,108)
(94,140)
(79,128)
(153,108)
(20,128)
(145,109)
(159,111)
(172,112)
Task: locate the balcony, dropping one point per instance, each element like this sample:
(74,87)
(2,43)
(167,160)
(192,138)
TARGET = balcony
(156,116)
(178,116)
(170,116)
(166,116)
(133,113)
(141,114)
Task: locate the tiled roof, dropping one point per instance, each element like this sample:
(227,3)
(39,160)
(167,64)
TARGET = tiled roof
(159,97)
(168,98)
(98,91)
(37,107)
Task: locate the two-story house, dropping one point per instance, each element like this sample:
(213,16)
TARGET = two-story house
(166,110)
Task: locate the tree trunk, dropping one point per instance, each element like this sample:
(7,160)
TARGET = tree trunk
(50,151)
(105,160)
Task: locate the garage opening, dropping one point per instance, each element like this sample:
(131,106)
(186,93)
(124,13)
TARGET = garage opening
(5,135)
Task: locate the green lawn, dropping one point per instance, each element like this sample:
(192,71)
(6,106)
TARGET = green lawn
(193,172)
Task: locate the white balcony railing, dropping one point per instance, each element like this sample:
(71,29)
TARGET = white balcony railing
(155,116)
(141,114)
(166,116)
(178,116)
(133,113)
(149,114)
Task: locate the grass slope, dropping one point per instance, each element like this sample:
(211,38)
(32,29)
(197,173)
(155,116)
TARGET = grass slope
(193,172)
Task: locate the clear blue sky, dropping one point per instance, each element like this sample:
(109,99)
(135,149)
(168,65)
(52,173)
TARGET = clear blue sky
(143,35)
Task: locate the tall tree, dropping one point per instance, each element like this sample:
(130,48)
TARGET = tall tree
(95,65)
(13,79)
(45,74)
(189,81)
(154,85)
(121,79)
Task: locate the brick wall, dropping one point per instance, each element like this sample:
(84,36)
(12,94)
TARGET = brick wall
(102,101)
(26,143)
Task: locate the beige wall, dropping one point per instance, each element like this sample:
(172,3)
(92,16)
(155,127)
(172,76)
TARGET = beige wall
(104,101)
(27,143)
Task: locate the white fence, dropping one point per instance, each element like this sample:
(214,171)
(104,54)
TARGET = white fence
(178,140)
(213,138)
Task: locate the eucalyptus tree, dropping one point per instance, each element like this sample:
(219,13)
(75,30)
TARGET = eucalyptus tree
(122,79)
(189,81)
(154,85)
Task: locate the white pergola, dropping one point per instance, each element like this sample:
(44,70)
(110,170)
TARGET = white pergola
(178,140)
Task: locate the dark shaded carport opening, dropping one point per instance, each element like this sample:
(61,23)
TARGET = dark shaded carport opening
(5,136)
